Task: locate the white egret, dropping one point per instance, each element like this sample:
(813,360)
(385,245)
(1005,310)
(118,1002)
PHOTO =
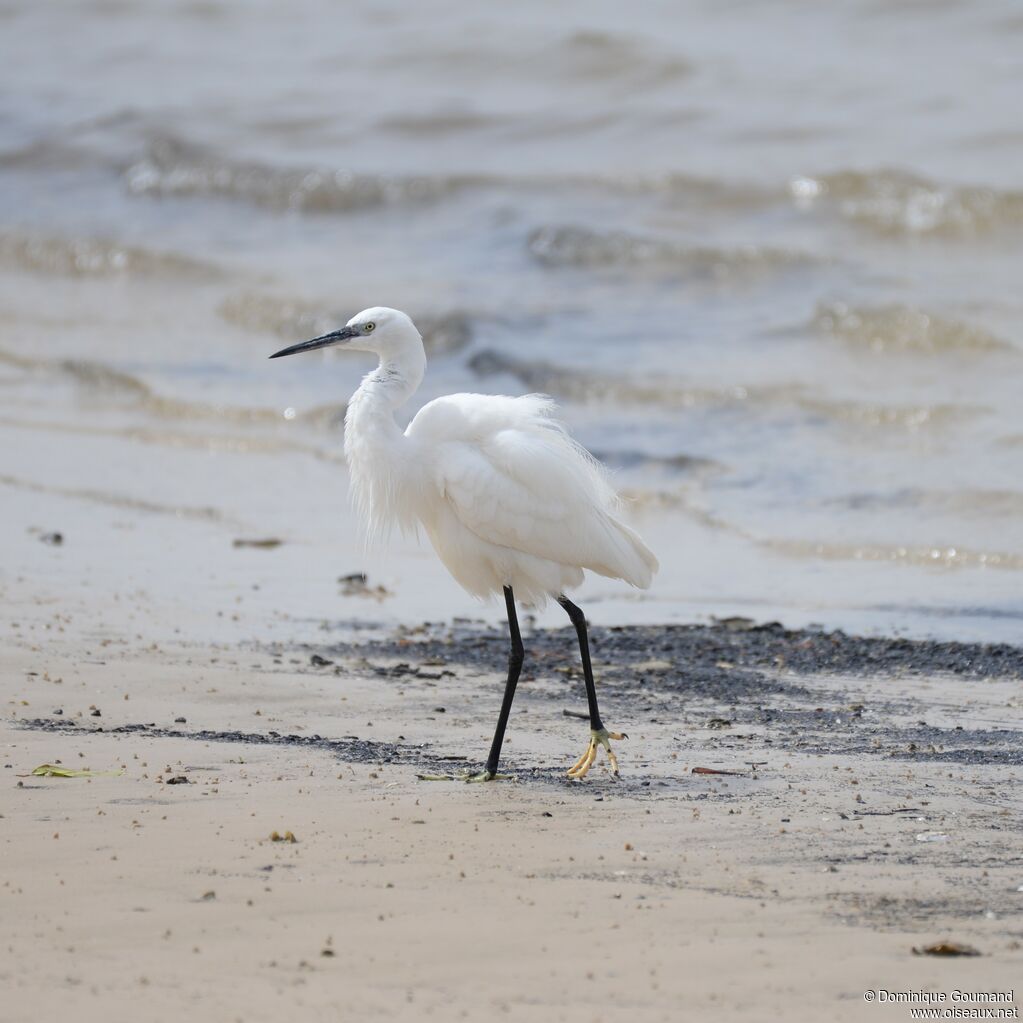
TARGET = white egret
(509,501)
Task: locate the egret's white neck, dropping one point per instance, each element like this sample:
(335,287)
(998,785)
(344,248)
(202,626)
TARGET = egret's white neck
(388,387)
(381,463)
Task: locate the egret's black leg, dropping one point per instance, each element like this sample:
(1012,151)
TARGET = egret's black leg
(515,658)
(599,735)
(579,621)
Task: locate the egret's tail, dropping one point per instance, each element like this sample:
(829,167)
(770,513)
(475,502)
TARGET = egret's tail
(632,560)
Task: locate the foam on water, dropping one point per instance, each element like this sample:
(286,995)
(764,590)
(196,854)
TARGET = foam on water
(95,257)
(900,328)
(897,203)
(579,246)
(172,168)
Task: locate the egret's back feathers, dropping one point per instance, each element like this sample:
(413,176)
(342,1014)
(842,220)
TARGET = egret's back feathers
(513,477)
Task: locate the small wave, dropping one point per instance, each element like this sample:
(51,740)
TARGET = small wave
(287,318)
(323,416)
(580,386)
(897,203)
(574,385)
(643,459)
(622,62)
(988,503)
(205,514)
(197,441)
(174,168)
(565,245)
(687,501)
(871,414)
(434,125)
(595,54)
(96,377)
(941,557)
(49,154)
(94,257)
(171,166)
(900,328)
(294,319)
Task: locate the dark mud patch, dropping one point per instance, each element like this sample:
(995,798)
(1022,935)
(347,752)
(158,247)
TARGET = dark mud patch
(896,914)
(349,750)
(695,653)
(796,689)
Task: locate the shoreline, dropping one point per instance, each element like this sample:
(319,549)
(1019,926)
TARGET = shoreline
(761,673)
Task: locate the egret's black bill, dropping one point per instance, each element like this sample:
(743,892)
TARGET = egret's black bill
(333,338)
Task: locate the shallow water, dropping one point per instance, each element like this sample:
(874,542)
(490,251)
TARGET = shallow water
(767,257)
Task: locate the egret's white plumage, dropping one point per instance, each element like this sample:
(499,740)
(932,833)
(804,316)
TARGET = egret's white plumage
(505,495)
(509,501)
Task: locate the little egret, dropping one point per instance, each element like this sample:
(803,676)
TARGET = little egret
(509,501)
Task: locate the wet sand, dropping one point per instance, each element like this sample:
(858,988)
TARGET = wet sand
(883,815)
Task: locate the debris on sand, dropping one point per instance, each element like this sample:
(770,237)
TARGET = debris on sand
(889,813)
(734,623)
(288,836)
(53,539)
(947,948)
(356,584)
(714,770)
(178,779)
(263,544)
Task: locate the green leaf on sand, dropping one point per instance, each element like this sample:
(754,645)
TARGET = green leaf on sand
(56,771)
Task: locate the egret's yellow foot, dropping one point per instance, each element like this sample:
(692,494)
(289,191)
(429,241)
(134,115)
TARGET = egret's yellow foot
(598,737)
(466,776)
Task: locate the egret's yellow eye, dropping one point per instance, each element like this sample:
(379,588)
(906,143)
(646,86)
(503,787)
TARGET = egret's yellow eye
(369,327)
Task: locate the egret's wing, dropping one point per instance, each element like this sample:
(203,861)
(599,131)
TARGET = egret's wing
(512,475)
(538,494)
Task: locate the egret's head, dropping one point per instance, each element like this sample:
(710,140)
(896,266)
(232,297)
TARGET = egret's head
(387,332)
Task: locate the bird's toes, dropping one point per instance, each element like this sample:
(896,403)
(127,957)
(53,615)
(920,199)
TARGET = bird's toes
(485,775)
(580,768)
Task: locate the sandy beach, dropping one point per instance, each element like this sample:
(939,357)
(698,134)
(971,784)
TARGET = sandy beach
(883,816)
(765,258)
